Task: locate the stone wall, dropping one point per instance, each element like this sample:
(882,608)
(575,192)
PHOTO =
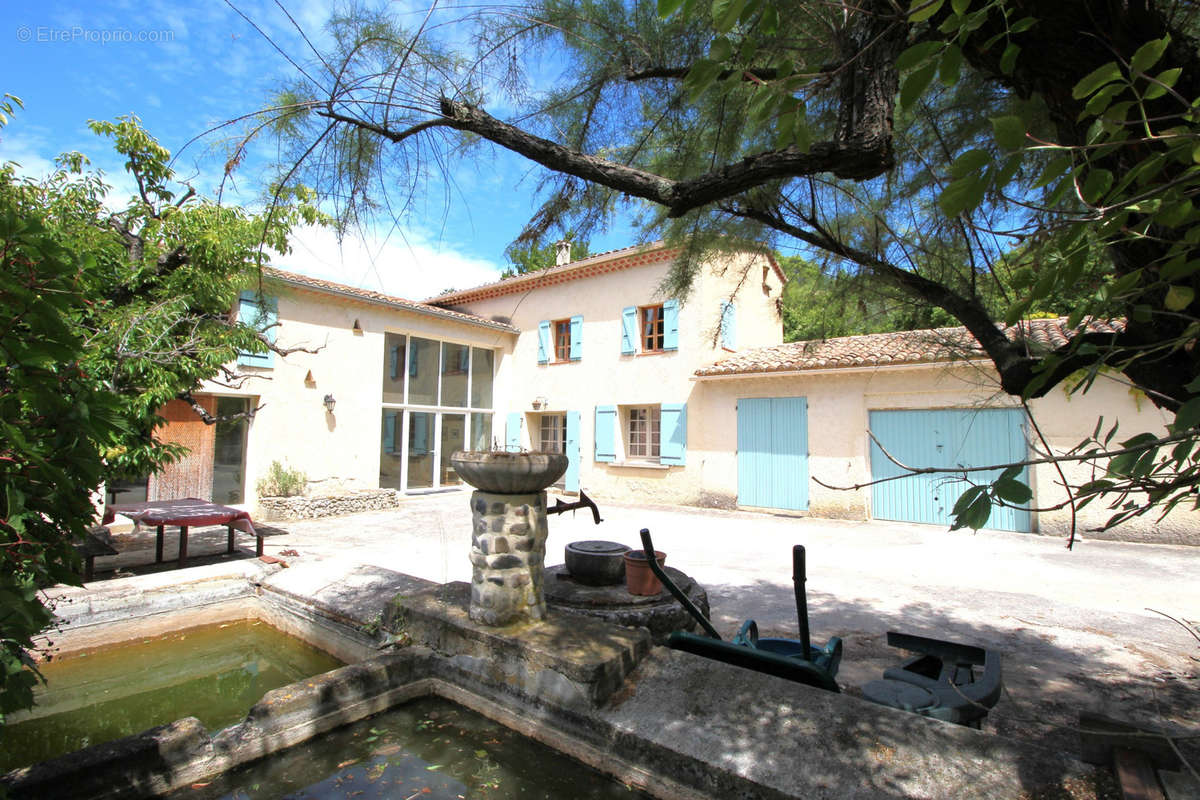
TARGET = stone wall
(279,509)
(508,554)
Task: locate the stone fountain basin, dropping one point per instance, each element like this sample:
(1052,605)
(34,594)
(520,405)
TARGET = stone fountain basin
(509,473)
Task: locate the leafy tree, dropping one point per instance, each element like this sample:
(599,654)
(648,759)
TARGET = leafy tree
(55,422)
(105,317)
(913,149)
(525,257)
(819,304)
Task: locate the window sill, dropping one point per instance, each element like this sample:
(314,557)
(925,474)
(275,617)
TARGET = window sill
(641,353)
(639,465)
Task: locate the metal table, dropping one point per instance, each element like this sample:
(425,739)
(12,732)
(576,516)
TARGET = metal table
(186,513)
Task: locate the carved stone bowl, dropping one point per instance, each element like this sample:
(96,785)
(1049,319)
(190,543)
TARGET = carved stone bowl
(509,473)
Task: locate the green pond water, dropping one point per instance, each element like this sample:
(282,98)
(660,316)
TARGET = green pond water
(430,749)
(214,673)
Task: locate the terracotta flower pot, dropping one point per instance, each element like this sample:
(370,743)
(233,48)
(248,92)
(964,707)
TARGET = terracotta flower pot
(639,579)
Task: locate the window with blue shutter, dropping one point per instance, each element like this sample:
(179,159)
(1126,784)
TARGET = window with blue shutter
(671,325)
(606,430)
(629,330)
(576,337)
(728,326)
(261,316)
(673,433)
(544,341)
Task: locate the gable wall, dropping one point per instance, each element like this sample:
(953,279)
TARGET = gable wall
(603,376)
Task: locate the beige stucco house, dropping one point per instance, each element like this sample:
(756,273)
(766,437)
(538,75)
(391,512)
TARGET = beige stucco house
(653,398)
(382,391)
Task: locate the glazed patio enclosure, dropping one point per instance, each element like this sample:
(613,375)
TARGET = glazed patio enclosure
(437,399)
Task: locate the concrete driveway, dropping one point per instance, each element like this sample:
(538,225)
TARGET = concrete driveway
(1074,626)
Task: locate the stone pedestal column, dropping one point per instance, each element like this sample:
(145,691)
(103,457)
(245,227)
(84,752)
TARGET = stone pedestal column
(508,555)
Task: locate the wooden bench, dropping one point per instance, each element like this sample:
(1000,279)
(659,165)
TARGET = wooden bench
(93,546)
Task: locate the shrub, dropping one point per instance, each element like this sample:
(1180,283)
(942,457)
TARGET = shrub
(282,481)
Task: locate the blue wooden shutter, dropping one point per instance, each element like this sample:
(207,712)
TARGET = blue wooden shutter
(629,330)
(772,452)
(543,341)
(262,317)
(420,438)
(606,428)
(728,326)
(673,433)
(389,431)
(513,433)
(571,483)
(671,325)
(394,361)
(576,338)
(412,358)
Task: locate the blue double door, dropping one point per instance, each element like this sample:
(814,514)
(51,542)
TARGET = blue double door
(947,438)
(772,452)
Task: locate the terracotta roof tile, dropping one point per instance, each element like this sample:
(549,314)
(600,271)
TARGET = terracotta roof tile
(377,297)
(594,264)
(888,349)
(612,259)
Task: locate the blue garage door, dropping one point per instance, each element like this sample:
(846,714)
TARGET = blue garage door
(943,438)
(772,452)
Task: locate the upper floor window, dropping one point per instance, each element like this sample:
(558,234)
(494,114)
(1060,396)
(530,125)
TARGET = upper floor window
(653,327)
(562,340)
(650,329)
(427,372)
(261,313)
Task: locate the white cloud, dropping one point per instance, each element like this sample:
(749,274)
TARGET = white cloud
(412,266)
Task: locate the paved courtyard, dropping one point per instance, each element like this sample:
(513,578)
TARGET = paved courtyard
(1075,626)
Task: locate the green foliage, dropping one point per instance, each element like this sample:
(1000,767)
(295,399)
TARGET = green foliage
(55,421)
(530,257)
(162,280)
(282,481)
(104,317)
(986,158)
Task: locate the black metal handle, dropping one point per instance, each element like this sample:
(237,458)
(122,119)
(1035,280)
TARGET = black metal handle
(583,502)
(660,573)
(798,580)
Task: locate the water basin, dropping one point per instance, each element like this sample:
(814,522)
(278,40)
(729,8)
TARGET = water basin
(430,749)
(214,672)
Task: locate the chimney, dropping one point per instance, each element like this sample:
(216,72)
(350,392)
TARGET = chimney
(563,253)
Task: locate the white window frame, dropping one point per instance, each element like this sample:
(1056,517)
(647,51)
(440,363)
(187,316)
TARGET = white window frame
(642,433)
(406,409)
(552,430)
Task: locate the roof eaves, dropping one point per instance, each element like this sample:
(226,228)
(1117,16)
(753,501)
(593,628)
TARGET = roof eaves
(531,280)
(397,303)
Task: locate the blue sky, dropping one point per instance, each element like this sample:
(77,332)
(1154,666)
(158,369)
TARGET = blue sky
(186,67)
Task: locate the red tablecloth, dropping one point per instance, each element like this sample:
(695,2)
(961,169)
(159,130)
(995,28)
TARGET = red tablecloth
(189,511)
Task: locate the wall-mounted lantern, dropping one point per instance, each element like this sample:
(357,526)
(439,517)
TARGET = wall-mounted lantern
(329,403)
